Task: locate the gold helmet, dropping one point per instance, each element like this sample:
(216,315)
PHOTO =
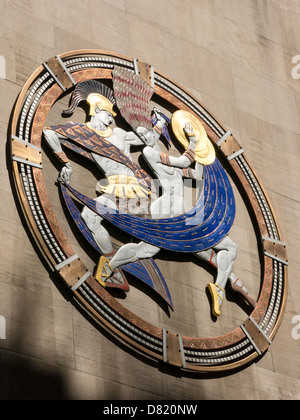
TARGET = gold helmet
(96,100)
(95,94)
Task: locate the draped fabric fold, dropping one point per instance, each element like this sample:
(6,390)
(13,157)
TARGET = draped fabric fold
(202,227)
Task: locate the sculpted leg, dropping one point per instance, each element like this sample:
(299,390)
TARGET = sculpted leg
(226,254)
(222,257)
(128,253)
(132,252)
(209,256)
(94,223)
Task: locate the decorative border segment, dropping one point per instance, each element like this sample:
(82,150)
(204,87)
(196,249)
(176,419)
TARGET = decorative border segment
(275,249)
(59,72)
(144,70)
(173,351)
(230,147)
(25,152)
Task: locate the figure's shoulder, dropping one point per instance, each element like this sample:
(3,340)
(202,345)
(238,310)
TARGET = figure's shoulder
(118,131)
(150,154)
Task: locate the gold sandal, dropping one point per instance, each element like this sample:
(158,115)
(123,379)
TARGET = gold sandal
(215,298)
(101,272)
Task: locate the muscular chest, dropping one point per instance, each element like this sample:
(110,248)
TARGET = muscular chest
(111,167)
(119,142)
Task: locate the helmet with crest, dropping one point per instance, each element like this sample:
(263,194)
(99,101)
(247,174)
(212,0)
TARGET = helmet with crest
(96,94)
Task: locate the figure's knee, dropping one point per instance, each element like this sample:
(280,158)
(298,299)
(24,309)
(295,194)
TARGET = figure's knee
(233,250)
(91,219)
(86,215)
(144,250)
(229,246)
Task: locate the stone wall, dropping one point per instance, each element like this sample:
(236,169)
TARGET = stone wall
(237,58)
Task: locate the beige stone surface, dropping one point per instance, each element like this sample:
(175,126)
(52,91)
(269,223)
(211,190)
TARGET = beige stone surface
(236,57)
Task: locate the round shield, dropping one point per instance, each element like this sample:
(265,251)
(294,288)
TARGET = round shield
(204,151)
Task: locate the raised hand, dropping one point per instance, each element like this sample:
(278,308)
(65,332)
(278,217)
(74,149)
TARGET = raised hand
(189,132)
(65,173)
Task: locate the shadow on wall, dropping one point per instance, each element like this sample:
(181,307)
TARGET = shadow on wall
(23,379)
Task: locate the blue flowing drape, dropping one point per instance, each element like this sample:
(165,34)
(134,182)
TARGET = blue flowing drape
(202,227)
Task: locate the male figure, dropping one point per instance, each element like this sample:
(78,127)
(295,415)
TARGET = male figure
(101,102)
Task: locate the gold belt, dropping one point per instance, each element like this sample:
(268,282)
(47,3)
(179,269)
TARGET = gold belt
(123,186)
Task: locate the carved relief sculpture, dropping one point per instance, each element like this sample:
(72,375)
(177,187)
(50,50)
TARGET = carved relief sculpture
(145,201)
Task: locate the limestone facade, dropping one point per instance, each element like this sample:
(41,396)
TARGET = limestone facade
(240,59)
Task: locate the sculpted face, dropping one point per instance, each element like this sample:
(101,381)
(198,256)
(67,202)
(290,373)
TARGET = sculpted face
(146,136)
(103,116)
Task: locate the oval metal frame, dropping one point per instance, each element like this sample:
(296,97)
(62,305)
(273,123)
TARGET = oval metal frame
(194,354)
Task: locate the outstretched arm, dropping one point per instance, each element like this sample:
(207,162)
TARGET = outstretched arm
(53,140)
